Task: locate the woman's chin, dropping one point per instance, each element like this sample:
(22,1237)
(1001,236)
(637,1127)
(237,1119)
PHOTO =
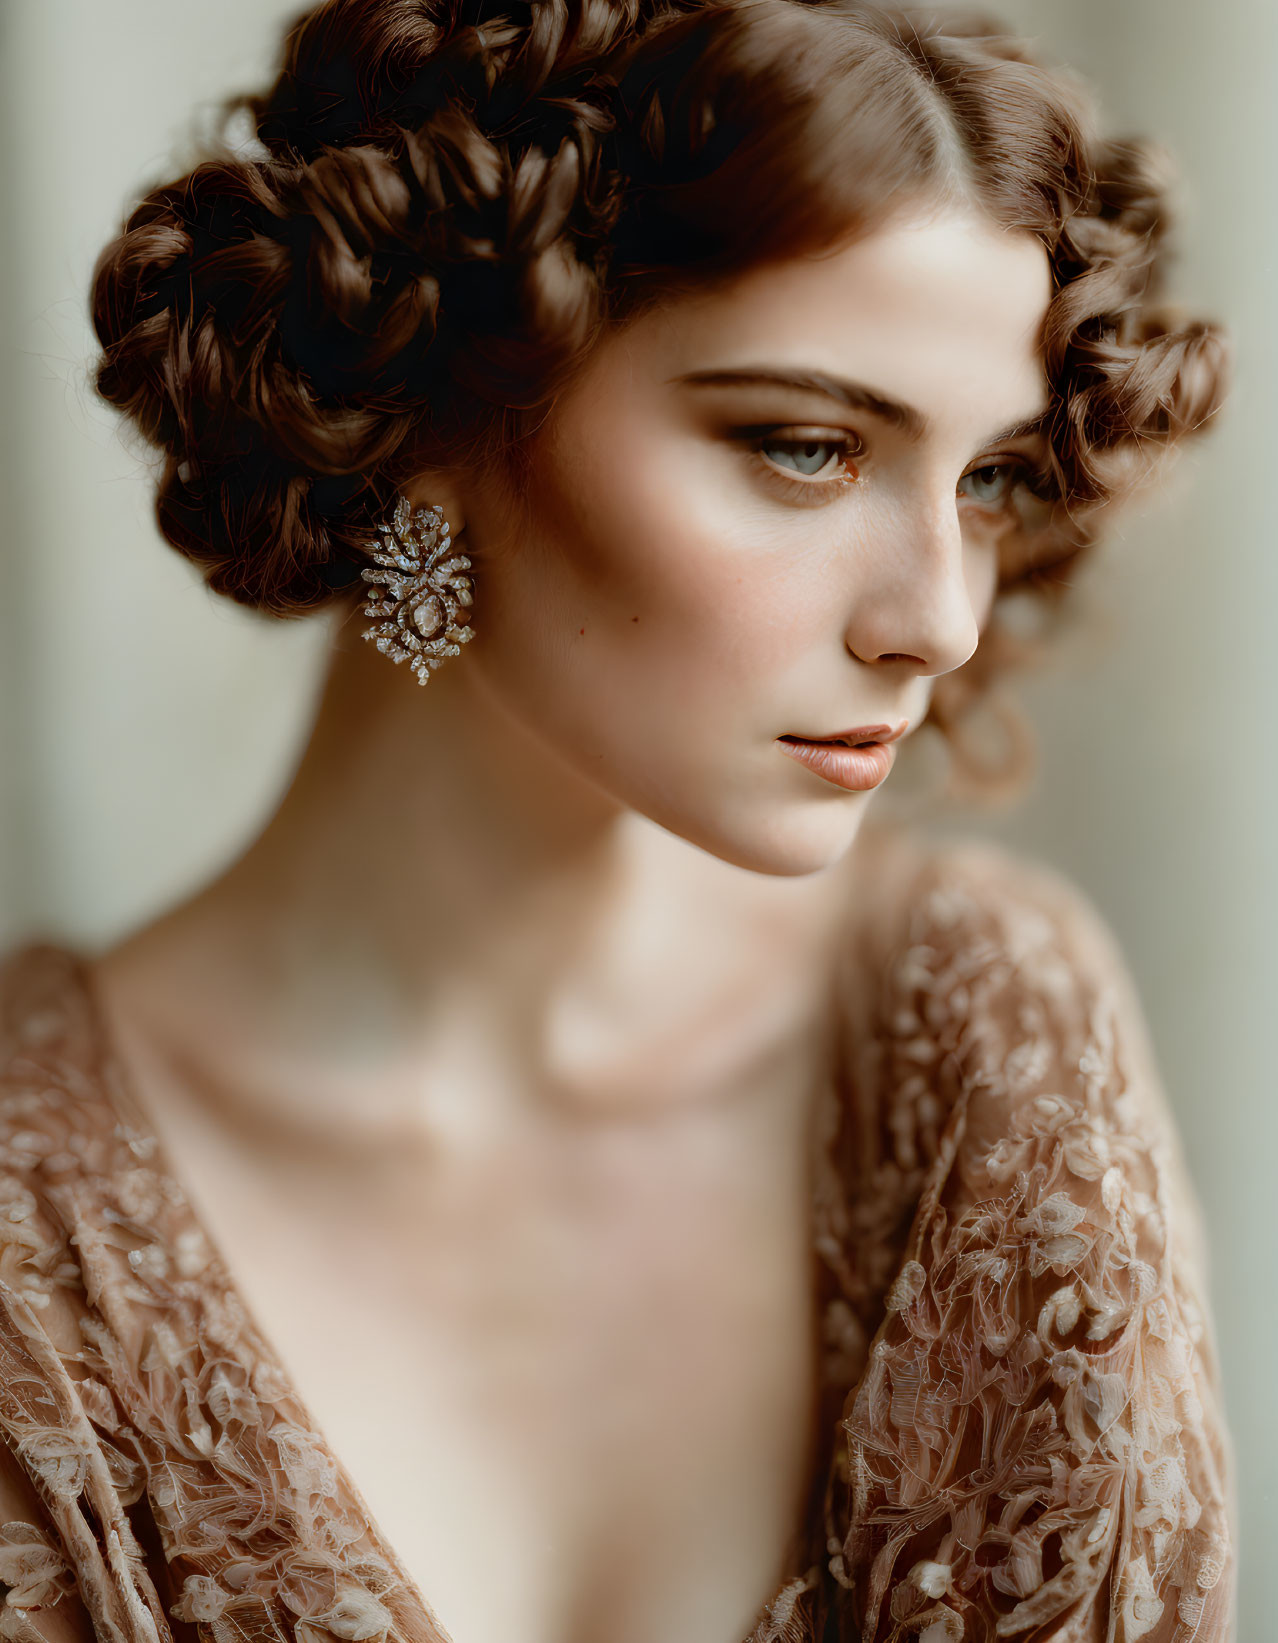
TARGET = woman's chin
(792,842)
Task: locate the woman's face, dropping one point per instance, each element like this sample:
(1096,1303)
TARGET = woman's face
(772,510)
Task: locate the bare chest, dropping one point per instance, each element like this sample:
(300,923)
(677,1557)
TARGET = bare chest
(574,1386)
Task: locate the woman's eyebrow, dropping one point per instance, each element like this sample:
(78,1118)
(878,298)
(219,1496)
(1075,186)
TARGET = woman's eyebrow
(854,396)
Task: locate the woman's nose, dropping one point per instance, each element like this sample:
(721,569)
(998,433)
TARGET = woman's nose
(915,601)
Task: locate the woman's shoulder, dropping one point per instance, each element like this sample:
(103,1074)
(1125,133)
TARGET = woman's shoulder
(50,1104)
(63,1486)
(987,997)
(1044,1333)
(915,882)
(978,931)
(57,1118)
(39,979)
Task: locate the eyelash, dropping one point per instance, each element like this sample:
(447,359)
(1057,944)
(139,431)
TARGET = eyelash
(814,492)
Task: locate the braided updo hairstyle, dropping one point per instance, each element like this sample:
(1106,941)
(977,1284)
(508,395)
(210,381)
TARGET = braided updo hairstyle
(447,202)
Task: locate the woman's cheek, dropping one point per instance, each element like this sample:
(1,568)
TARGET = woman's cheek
(655,591)
(982,554)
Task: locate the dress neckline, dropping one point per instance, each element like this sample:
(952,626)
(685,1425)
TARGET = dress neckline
(369,1556)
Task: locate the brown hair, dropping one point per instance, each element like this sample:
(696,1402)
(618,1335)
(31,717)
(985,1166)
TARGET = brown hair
(449,201)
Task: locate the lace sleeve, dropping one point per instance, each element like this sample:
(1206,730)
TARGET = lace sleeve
(71,1568)
(1036,1449)
(40,1603)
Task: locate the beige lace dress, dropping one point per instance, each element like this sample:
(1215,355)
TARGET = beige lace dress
(1023,1430)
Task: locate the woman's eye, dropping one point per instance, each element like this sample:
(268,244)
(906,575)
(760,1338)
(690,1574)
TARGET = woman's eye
(991,484)
(813,456)
(807,456)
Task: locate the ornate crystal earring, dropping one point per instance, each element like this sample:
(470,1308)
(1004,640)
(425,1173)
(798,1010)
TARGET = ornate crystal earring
(419,588)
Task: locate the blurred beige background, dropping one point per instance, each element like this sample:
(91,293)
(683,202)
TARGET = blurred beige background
(145,728)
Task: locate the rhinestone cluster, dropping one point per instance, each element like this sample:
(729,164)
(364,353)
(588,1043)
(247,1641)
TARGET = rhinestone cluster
(419,589)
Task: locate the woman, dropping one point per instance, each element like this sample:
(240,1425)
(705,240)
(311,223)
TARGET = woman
(576,1175)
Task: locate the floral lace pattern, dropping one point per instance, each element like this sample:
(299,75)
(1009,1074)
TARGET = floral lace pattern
(1020,1385)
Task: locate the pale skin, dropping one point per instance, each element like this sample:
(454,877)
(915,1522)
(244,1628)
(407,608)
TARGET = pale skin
(496,1050)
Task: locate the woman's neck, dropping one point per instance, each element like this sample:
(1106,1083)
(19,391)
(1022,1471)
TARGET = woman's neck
(438,884)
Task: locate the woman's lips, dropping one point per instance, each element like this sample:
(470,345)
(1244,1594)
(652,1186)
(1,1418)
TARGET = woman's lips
(855,768)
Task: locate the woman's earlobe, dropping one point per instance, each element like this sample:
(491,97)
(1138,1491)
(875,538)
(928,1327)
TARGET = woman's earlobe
(437,489)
